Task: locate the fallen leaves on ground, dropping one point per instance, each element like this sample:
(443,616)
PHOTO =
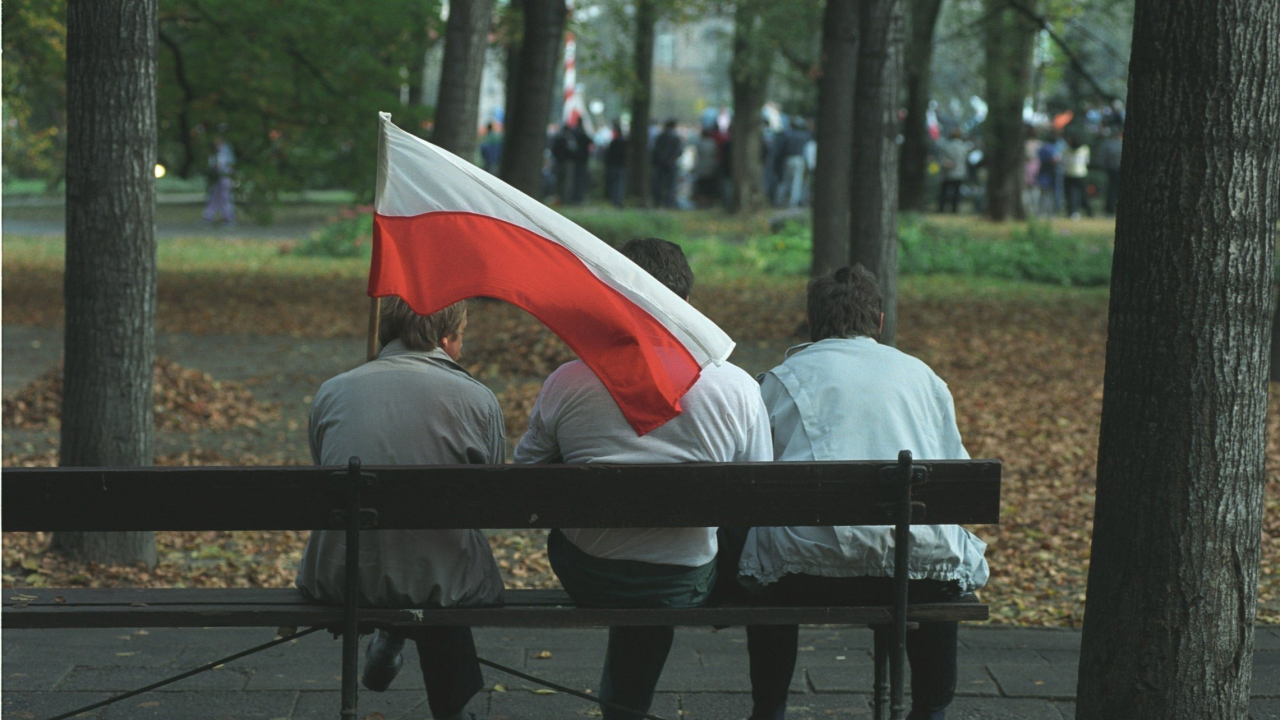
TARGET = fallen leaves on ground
(186,400)
(517,402)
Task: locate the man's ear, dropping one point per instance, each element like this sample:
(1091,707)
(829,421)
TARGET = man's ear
(881,330)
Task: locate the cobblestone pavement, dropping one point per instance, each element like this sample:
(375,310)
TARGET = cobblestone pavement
(1004,674)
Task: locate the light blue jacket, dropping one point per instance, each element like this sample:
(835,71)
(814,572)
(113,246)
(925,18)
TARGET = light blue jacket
(855,399)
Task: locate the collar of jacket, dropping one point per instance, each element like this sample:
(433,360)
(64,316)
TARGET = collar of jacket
(395,348)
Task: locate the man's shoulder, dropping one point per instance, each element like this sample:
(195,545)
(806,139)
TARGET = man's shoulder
(409,370)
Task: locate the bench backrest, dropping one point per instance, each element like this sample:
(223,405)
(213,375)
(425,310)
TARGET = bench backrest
(494,496)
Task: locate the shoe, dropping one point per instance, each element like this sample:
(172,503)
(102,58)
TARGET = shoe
(382,660)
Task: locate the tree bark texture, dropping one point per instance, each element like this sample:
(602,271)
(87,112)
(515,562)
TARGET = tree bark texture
(466,40)
(641,99)
(1275,343)
(512,25)
(874,191)
(1173,582)
(530,105)
(834,171)
(749,75)
(110,286)
(1010,36)
(915,140)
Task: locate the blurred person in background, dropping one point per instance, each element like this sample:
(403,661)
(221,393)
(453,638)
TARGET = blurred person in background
(222,163)
(953,155)
(1075,170)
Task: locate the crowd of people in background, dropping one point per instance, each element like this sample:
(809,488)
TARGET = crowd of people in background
(1071,163)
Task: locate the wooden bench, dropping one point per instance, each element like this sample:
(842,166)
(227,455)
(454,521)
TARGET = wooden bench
(501,496)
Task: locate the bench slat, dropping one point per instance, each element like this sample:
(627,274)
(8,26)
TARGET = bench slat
(491,496)
(266,607)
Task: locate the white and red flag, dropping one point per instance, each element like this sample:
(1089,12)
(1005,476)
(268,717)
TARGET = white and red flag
(445,230)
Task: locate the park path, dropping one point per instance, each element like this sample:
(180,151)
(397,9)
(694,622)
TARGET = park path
(176,216)
(1005,674)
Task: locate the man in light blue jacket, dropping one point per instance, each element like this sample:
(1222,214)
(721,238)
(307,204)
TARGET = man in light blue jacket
(846,397)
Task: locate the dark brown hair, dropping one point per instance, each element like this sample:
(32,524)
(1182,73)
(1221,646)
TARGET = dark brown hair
(664,260)
(844,303)
(398,321)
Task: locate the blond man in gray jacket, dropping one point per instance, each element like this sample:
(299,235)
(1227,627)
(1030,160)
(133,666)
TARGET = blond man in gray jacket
(413,405)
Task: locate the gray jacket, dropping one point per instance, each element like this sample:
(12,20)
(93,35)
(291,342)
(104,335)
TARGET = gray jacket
(405,408)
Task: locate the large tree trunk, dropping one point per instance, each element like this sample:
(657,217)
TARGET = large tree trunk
(1010,36)
(110,296)
(752,64)
(915,140)
(638,190)
(874,191)
(530,106)
(1275,343)
(834,171)
(458,109)
(1173,581)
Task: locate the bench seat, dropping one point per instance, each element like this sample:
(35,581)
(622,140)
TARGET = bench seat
(274,607)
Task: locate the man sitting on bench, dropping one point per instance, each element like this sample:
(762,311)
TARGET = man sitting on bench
(413,405)
(575,420)
(846,397)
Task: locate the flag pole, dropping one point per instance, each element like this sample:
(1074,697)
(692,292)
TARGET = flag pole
(371,344)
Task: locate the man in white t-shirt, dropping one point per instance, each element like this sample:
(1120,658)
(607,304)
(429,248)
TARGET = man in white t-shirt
(575,420)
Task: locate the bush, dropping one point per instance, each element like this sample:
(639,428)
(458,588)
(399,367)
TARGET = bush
(616,227)
(347,235)
(1037,253)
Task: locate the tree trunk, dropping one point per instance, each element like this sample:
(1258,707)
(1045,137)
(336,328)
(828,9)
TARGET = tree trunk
(1173,582)
(458,109)
(834,171)
(530,106)
(915,139)
(1275,343)
(752,63)
(638,143)
(1010,37)
(513,31)
(110,286)
(874,190)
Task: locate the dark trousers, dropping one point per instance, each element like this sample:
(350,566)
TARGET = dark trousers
(931,650)
(581,179)
(664,186)
(949,193)
(449,668)
(616,183)
(1077,196)
(635,656)
(1113,190)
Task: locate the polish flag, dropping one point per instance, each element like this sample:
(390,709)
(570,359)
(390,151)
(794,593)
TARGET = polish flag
(445,230)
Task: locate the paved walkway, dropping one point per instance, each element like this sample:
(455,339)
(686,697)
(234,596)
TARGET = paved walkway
(1005,674)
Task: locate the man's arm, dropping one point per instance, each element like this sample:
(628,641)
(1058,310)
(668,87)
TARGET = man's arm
(497,435)
(784,419)
(948,432)
(758,446)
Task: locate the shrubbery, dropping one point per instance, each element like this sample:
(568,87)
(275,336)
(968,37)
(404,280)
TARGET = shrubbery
(347,235)
(1037,253)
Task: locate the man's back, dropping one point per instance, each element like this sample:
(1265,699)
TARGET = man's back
(575,420)
(406,408)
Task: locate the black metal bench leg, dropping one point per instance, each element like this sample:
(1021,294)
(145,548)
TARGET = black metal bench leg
(880,688)
(351,593)
(901,576)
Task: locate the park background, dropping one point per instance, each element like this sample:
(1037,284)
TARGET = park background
(1011,312)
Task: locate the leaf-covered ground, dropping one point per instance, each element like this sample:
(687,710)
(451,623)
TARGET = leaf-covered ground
(1026,375)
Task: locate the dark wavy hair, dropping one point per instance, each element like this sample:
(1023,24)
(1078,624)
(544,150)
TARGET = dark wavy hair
(664,260)
(844,303)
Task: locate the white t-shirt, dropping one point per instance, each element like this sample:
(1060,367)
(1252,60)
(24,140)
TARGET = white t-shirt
(576,420)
